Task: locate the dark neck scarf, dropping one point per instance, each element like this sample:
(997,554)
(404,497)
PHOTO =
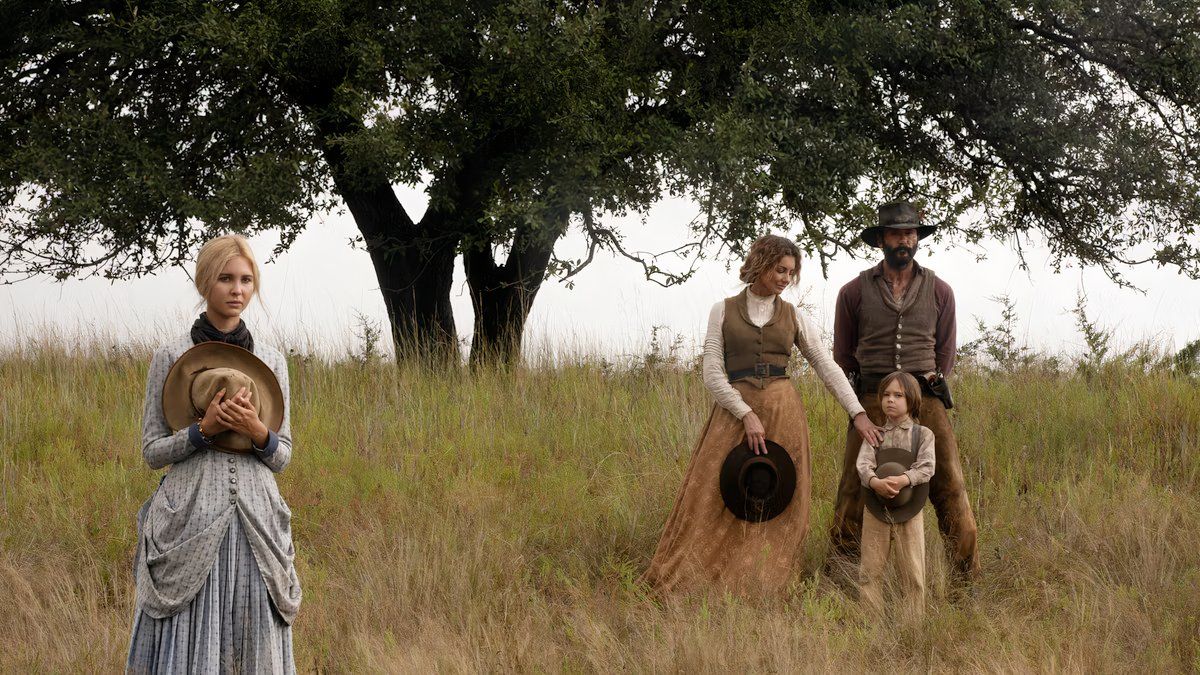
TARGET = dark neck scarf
(204,331)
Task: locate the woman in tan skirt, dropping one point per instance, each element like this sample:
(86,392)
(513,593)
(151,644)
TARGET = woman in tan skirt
(746,352)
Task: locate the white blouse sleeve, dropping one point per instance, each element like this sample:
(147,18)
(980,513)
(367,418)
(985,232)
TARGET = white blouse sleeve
(715,378)
(808,339)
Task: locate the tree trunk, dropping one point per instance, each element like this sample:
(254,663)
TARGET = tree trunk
(414,273)
(503,295)
(414,263)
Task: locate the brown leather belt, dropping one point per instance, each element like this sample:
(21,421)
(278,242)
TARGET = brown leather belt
(759,370)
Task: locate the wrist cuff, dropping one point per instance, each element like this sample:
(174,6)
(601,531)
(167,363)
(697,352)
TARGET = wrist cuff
(271,446)
(197,439)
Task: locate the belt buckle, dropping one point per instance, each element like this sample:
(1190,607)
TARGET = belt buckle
(762,369)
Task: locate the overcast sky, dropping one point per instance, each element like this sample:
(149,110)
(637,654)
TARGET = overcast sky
(314,291)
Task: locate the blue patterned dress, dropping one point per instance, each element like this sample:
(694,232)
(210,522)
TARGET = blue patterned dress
(217,590)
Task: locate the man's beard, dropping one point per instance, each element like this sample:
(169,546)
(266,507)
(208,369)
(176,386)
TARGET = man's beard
(893,258)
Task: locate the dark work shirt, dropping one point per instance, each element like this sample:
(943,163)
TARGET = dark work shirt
(845,323)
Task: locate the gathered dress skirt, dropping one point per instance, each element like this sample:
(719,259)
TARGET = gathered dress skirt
(703,545)
(230,626)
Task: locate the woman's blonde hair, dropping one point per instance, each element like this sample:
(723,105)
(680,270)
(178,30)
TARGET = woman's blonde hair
(764,253)
(912,390)
(215,254)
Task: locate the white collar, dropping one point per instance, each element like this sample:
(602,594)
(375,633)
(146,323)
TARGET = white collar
(760,299)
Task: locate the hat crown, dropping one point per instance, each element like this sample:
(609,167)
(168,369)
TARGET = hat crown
(755,487)
(894,214)
(206,382)
(759,479)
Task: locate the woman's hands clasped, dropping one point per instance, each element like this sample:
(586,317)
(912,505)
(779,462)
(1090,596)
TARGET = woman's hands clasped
(236,413)
(211,425)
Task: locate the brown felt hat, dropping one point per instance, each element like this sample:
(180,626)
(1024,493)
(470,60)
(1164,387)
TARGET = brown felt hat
(897,216)
(202,371)
(909,501)
(757,487)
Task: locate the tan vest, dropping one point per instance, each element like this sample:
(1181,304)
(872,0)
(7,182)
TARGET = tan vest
(896,337)
(747,345)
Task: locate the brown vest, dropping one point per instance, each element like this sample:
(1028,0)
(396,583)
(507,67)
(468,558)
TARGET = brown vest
(896,337)
(747,345)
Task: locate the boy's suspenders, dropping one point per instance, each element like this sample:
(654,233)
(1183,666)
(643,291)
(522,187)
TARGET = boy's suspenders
(915,443)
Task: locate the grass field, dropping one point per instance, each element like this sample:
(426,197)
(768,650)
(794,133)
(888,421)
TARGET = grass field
(499,520)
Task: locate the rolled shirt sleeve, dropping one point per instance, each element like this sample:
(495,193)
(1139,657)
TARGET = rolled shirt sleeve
(808,340)
(845,325)
(945,334)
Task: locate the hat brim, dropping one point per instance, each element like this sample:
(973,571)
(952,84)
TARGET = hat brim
(785,485)
(177,388)
(891,513)
(871,234)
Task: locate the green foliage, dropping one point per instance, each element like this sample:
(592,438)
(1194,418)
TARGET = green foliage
(661,354)
(998,347)
(128,132)
(1187,360)
(369,334)
(1096,339)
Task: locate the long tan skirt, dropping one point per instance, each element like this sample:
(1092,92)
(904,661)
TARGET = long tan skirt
(704,545)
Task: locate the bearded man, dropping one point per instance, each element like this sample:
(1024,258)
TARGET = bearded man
(899,315)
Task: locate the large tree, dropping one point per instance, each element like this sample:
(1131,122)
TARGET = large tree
(130,131)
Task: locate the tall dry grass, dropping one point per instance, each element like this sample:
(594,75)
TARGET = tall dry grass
(496,520)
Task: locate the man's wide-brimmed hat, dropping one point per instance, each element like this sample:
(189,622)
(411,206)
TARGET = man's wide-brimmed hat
(897,216)
(758,487)
(202,371)
(909,501)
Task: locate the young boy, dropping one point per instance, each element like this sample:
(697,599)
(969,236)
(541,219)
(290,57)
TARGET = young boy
(897,479)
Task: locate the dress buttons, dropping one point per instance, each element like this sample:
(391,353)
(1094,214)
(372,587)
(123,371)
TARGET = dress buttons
(232,491)
(233,480)
(231,461)
(232,500)
(232,470)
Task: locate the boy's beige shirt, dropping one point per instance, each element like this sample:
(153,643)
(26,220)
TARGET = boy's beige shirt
(899,436)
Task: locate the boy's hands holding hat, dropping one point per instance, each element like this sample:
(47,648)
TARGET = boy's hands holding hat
(889,487)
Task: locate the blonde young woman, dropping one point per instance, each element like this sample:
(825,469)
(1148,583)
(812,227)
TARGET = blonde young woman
(746,350)
(216,587)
